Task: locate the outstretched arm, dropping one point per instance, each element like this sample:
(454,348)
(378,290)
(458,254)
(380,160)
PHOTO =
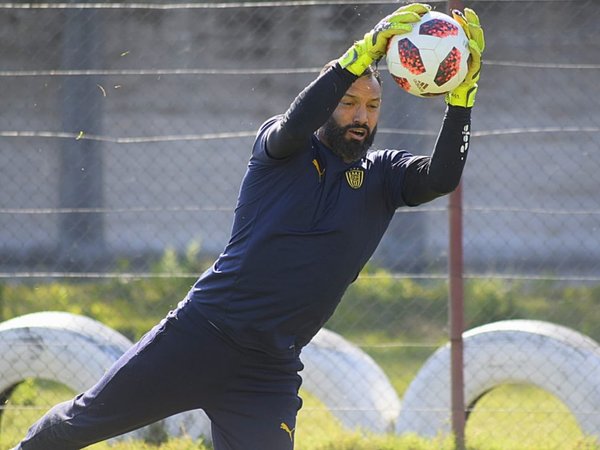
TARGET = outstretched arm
(316,103)
(428,178)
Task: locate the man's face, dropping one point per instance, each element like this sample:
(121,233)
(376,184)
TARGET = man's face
(350,130)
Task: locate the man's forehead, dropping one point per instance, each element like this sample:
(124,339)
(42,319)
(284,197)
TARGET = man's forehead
(365,87)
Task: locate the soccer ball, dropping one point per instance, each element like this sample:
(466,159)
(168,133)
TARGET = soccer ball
(430,60)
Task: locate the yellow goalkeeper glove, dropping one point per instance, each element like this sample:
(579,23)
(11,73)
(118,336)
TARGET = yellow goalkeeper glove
(374,44)
(464,94)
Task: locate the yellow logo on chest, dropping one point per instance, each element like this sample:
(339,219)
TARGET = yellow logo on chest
(355,177)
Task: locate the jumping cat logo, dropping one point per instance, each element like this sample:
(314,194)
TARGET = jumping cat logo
(355,177)
(318,167)
(284,426)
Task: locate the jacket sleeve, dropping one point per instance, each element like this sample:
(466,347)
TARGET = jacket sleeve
(429,177)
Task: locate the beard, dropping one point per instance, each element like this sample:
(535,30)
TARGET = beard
(349,150)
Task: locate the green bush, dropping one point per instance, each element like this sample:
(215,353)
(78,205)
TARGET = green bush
(391,307)
(377,307)
(377,310)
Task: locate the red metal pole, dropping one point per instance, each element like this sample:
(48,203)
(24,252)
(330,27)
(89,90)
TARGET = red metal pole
(456,317)
(456,306)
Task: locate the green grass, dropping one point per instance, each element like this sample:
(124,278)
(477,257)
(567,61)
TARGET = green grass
(508,418)
(524,417)
(399,322)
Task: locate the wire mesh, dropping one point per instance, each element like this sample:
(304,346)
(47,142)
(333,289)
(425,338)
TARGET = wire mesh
(127,127)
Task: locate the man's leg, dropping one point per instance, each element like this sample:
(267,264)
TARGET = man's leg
(166,372)
(270,424)
(259,411)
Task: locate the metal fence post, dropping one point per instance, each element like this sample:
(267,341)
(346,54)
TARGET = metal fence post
(81,240)
(456,306)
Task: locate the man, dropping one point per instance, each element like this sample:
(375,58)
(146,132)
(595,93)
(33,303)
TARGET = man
(312,208)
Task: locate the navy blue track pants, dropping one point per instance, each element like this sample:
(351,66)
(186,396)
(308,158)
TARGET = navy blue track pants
(248,395)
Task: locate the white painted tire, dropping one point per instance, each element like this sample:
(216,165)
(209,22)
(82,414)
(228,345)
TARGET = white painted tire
(554,358)
(75,351)
(345,379)
(349,383)
(339,374)
(72,350)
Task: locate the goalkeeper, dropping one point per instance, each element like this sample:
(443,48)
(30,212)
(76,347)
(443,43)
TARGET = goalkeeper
(312,209)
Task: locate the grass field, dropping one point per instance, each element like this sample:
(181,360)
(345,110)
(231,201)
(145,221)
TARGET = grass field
(508,418)
(399,322)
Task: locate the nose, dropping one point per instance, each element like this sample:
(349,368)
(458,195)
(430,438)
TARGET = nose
(360,114)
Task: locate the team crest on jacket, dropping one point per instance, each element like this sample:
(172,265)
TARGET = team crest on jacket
(355,177)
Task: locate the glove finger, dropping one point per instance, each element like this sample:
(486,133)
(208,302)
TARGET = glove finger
(475,30)
(476,33)
(397,28)
(474,69)
(419,8)
(389,21)
(388,29)
(462,21)
(471,17)
(404,17)
(474,48)
(391,31)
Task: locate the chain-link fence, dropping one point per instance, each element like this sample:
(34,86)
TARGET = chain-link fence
(126,129)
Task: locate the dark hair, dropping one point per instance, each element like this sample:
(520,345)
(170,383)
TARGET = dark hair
(369,71)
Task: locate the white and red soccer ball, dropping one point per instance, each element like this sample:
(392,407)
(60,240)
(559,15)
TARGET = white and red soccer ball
(432,59)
